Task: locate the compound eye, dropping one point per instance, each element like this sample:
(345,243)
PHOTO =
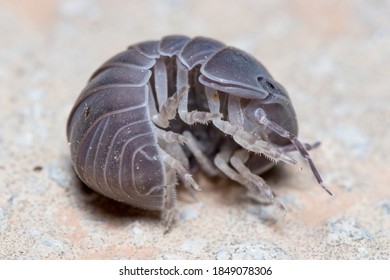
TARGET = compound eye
(266,84)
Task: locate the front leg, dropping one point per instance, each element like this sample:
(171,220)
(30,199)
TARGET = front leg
(299,146)
(257,188)
(235,129)
(257,185)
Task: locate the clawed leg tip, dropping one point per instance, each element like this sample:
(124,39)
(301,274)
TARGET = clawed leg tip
(281,207)
(168,221)
(167,229)
(288,160)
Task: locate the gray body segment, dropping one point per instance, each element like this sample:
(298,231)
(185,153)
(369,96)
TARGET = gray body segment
(161,109)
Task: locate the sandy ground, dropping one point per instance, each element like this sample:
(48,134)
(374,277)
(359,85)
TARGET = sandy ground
(332,56)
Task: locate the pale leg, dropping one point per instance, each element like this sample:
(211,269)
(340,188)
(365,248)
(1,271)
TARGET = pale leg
(179,168)
(170,199)
(221,161)
(170,142)
(161,82)
(203,161)
(242,137)
(168,110)
(192,144)
(193,116)
(258,186)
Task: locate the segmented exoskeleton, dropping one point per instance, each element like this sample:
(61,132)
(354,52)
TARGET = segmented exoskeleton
(161,109)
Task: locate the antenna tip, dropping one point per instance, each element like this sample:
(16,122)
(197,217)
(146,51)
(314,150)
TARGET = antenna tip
(326,189)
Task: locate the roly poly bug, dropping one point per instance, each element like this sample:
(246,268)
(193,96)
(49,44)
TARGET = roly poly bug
(160,109)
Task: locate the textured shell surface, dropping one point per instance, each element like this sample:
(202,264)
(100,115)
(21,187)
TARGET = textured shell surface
(160,110)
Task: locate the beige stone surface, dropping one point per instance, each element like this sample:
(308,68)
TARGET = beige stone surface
(332,56)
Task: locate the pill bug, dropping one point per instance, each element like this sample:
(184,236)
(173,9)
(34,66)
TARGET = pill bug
(161,109)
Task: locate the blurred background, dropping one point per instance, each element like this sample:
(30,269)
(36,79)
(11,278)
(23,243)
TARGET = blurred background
(333,57)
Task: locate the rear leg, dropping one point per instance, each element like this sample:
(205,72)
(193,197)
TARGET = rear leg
(170,199)
(179,168)
(204,162)
(192,144)
(170,142)
(173,167)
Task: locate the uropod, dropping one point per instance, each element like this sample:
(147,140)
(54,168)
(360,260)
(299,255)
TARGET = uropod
(159,110)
